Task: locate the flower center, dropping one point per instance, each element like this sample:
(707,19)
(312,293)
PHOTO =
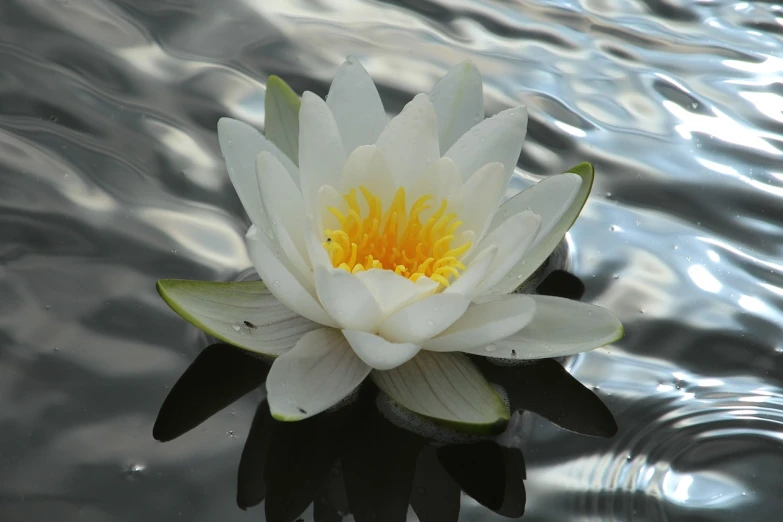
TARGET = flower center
(396,240)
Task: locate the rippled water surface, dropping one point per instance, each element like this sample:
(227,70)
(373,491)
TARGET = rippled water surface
(111,177)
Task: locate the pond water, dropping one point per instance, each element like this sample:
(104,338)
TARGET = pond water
(111,178)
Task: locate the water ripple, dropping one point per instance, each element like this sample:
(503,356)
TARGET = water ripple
(111,177)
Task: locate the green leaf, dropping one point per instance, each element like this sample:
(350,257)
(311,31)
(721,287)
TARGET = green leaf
(281,120)
(546,199)
(447,388)
(244,314)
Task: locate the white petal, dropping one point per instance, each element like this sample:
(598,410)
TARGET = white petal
(319,372)
(410,141)
(241,144)
(474,273)
(282,279)
(366,167)
(441,180)
(425,318)
(513,239)
(393,291)
(328,197)
(377,352)
(498,138)
(281,117)
(356,105)
(458,99)
(246,314)
(445,387)
(561,327)
(321,151)
(485,191)
(485,323)
(558,200)
(347,300)
(284,207)
(315,248)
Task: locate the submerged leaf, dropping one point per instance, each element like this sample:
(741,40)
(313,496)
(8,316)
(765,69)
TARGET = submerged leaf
(331,503)
(491,474)
(514,497)
(435,496)
(281,117)
(561,284)
(299,459)
(251,488)
(478,468)
(546,388)
(378,466)
(220,375)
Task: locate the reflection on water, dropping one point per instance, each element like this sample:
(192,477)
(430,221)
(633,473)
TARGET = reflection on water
(111,178)
(369,457)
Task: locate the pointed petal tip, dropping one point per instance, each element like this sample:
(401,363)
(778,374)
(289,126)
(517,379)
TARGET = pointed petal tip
(573,176)
(281,416)
(223,122)
(519,113)
(163,287)
(226,126)
(467,65)
(281,87)
(265,154)
(310,96)
(583,168)
(352,60)
(252,232)
(620,331)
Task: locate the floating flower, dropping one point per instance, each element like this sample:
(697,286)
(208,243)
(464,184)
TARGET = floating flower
(385,251)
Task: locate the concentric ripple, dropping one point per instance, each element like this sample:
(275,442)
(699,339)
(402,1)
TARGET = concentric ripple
(696,449)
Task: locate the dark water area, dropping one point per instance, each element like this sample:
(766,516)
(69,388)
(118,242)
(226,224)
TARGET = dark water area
(111,178)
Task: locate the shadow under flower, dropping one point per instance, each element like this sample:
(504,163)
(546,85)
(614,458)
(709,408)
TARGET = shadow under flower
(352,459)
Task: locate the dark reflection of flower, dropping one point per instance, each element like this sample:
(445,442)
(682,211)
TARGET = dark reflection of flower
(353,460)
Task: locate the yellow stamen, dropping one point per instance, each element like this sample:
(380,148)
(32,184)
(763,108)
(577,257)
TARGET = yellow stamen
(396,240)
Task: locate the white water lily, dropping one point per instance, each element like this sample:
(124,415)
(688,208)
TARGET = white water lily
(385,251)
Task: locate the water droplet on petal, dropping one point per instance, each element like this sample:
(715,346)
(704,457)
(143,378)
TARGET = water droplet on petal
(276,282)
(430,322)
(491,348)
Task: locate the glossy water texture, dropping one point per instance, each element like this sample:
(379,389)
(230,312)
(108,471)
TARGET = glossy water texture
(111,177)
